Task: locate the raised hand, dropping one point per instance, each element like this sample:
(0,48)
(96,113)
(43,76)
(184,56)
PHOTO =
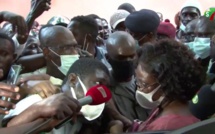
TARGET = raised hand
(38,7)
(18,23)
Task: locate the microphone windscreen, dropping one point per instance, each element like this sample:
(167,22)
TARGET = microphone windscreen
(203,104)
(100,94)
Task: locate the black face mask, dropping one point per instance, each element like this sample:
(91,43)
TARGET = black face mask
(122,70)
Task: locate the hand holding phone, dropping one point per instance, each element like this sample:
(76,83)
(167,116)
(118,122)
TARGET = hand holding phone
(8,89)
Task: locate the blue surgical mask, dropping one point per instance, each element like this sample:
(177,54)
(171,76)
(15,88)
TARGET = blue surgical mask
(201,47)
(182,27)
(189,45)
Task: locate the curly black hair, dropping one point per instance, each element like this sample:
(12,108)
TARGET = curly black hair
(87,25)
(175,67)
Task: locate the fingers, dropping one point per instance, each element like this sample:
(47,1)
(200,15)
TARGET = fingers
(73,104)
(22,27)
(83,53)
(7,105)
(9,94)
(9,88)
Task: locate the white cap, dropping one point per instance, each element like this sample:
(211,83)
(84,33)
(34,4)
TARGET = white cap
(58,19)
(192,3)
(118,17)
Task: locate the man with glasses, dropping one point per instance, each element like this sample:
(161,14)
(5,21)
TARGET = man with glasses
(60,51)
(142,25)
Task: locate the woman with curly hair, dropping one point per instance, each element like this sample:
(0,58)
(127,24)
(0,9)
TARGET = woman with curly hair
(168,77)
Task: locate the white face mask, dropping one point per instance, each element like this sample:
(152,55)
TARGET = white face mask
(90,112)
(201,47)
(66,62)
(145,100)
(182,27)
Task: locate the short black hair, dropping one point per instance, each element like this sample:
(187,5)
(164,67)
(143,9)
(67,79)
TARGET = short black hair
(87,25)
(175,68)
(94,16)
(6,37)
(84,67)
(128,7)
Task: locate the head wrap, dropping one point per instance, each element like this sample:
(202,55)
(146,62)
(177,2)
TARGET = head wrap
(166,28)
(192,3)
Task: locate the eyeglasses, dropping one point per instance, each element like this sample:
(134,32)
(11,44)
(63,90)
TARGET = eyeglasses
(141,86)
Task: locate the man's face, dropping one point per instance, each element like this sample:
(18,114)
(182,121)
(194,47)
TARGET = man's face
(64,44)
(204,31)
(6,55)
(79,36)
(121,53)
(97,77)
(141,38)
(120,27)
(84,40)
(103,28)
(188,14)
(189,34)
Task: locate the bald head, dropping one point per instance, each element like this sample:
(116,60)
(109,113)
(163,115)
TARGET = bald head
(55,36)
(121,44)
(205,27)
(191,26)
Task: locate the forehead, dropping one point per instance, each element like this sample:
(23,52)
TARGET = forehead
(6,45)
(99,22)
(121,48)
(143,75)
(203,27)
(190,10)
(98,75)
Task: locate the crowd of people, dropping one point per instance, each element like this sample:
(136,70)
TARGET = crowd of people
(161,76)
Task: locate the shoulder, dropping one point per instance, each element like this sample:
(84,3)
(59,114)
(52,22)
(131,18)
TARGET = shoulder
(171,122)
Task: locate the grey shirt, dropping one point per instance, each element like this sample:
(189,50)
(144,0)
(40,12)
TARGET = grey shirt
(123,95)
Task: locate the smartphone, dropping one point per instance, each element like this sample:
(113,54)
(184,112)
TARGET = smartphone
(12,77)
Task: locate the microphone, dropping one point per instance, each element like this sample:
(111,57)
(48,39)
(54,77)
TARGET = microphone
(95,95)
(202,105)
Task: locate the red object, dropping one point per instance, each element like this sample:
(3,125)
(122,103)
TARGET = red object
(166,28)
(100,94)
(212,16)
(166,123)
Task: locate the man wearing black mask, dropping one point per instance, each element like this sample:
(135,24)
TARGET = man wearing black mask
(121,53)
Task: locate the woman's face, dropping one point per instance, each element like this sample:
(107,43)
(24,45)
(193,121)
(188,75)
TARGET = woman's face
(146,82)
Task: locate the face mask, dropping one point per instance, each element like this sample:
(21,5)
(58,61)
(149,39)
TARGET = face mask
(182,27)
(123,70)
(201,47)
(189,45)
(66,62)
(90,112)
(137,44)
(145,100)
